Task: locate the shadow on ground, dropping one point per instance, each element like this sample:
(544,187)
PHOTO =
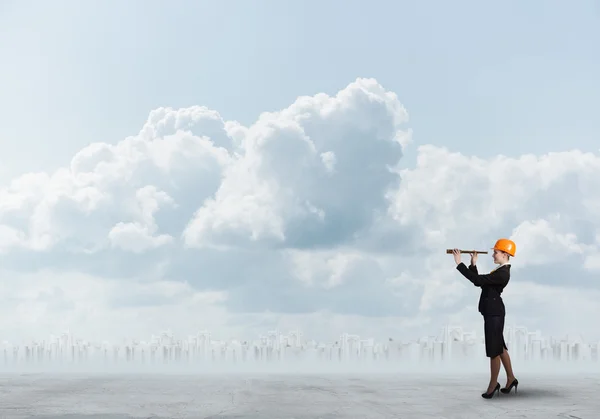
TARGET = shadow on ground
(101,416)
(532,393)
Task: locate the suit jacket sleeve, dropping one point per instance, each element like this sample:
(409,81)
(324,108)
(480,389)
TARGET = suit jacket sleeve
(474,269)
(498,277)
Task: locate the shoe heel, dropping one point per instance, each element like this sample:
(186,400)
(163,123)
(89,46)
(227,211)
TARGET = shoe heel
(496,390)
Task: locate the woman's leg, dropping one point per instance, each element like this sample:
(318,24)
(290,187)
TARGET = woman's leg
(494,343)
(505,358)
(494,371)
(510,376)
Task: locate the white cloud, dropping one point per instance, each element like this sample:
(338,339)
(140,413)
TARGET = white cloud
(9,237)
(34,305)
(460,198)
(299,220)
(303,171)
(542,244)
(139,236)
(136,237)
(324,268)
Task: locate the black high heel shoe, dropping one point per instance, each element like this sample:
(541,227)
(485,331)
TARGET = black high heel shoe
(490,395)
(514,384)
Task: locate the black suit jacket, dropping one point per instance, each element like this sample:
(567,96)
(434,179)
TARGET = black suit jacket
(492,285)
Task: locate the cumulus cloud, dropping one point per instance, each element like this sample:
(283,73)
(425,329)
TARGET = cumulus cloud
(32,306)
(311,175)
(302,219)
(547,201)
(139,236)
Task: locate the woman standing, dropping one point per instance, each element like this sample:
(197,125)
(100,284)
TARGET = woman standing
(493,311)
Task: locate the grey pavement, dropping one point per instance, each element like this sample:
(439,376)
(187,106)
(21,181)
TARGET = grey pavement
(288,396)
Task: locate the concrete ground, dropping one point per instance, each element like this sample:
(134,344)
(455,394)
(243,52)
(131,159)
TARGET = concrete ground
(257,396)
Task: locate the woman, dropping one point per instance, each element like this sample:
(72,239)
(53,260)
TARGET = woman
(492,309)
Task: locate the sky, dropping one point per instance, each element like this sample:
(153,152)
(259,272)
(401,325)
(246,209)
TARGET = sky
(247,166)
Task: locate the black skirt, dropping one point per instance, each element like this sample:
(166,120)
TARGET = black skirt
(493,328)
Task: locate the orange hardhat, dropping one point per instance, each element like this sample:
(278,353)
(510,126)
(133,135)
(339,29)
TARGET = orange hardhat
(506,245)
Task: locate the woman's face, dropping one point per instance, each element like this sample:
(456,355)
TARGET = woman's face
(497,256)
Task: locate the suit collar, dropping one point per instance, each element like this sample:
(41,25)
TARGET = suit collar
(501,266)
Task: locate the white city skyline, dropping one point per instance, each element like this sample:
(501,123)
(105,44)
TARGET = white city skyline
(452,346)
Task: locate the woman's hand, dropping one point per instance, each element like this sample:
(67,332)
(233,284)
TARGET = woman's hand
(456,254)
(474,258)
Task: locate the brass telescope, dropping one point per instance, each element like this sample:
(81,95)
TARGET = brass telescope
(449,251)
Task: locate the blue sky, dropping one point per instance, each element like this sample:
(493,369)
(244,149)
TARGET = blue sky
(511,77)
(478,79)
